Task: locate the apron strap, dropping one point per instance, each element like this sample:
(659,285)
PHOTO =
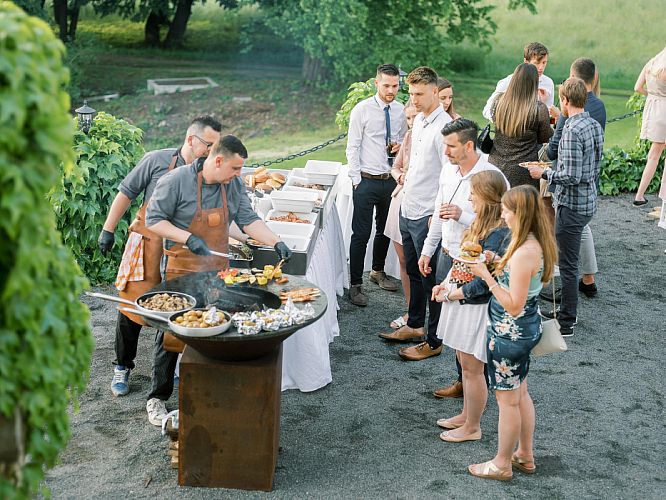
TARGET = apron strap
(197,215)
(223,194)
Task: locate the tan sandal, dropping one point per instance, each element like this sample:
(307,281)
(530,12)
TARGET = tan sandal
(488,470)
(523,464)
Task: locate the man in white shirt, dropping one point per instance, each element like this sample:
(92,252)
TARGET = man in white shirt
(537,55)
(454,212)
(420,190)
(377,126)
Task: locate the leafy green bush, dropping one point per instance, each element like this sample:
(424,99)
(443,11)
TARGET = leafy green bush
(621,170)
(83,197)
(45,340)
(357,92)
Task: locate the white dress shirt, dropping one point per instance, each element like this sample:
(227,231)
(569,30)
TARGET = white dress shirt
(454,188)
(425,164)
(366,139)
(545,83)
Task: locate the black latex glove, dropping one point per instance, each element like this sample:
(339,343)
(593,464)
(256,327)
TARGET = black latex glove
(282,251)
(197,245)
(105,241)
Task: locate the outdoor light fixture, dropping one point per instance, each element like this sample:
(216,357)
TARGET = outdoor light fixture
(85,115)
(403,76)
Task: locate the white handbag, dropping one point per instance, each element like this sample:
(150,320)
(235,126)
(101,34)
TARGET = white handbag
(551,338)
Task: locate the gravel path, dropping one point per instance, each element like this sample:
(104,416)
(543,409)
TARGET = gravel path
(372,434)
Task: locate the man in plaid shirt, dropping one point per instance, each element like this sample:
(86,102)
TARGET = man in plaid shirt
(575,198)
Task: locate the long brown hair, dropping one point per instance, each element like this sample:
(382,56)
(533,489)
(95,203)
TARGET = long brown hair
(530,217)
(443,83)
(517,107)
(488,187)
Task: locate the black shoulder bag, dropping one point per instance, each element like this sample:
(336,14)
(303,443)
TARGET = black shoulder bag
(485,141)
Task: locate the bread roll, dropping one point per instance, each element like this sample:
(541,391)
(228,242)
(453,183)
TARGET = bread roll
(250,181)
(261,177)
(263,186)
(277,176)
(274,184)
(259,170)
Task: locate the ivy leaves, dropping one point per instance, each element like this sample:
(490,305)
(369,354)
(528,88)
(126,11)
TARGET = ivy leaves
(45,340)
(87,188)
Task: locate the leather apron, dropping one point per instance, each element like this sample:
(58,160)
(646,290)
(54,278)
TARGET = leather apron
(152,254)
(210,225)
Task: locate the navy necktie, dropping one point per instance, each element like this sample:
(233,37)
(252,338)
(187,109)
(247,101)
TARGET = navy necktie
(387,115)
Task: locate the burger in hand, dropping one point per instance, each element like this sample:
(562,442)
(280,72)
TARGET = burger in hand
(470,250)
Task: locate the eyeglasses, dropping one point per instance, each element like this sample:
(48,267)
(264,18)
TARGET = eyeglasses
(206,143)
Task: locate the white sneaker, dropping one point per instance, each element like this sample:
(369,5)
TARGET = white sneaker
(156,411)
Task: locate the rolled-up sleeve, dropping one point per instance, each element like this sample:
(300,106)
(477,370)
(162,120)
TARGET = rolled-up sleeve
(136,181)
(162,205)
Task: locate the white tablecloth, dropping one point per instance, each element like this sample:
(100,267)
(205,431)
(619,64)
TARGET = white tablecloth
(306,363)
(345,204)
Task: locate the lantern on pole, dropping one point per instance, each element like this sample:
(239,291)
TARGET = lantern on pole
(85,116)
(403,77)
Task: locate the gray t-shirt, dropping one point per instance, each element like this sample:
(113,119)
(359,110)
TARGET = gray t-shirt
(143,178)
(175,198)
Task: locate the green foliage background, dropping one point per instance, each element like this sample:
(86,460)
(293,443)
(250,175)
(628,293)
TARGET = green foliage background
(45,340)
(622,169)
(84,194)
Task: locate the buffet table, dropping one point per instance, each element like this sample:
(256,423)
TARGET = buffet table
(345,206)
(306,363)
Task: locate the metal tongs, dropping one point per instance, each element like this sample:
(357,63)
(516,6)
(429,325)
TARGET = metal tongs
(232,256)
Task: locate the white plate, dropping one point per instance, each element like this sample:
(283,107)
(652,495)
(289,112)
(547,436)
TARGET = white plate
(455,254)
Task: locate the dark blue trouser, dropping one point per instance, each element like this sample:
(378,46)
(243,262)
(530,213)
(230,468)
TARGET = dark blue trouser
(369,195)
(413,234)
(568,230)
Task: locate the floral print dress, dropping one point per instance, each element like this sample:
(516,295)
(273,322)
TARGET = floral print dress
(512,338)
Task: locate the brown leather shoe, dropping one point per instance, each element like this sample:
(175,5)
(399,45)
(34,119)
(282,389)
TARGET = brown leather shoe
(404,334)
(455,390)
(419,352)
(383,281)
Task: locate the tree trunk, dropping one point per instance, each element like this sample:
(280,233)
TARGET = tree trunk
(151,32)
(60,16)
(73,19)
(176,32)
(312,70)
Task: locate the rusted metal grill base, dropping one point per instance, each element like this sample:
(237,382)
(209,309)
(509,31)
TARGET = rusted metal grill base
(229,421)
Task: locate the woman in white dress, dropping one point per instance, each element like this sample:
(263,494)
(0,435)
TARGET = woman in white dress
(463,320)
(392,229)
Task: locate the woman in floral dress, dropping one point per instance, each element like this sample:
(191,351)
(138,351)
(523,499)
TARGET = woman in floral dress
(515,327)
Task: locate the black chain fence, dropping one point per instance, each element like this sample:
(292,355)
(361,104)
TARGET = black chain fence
(302,153)
(344,134)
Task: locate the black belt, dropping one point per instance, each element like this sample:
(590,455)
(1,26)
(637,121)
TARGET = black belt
(380,177)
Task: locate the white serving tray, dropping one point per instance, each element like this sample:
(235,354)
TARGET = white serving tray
(283,229)
(293,201)
(322,172)
(312,217)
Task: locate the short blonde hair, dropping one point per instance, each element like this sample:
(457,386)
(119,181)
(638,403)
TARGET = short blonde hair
(575,92)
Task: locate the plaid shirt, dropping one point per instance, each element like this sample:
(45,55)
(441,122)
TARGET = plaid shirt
(579,160)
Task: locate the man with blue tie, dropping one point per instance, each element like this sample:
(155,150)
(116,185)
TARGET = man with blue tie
(377,126)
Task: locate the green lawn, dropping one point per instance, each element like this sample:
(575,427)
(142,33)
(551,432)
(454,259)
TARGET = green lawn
(283,119)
